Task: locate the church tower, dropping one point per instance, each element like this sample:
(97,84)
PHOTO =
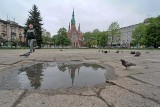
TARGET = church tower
(73,22)
(73,34)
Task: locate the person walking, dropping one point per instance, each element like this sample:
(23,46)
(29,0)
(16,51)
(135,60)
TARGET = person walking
(31,37)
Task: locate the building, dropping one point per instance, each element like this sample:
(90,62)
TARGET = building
(11,31)
(126,35)
(73,34)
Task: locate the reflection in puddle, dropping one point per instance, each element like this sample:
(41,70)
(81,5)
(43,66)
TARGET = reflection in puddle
(61,75)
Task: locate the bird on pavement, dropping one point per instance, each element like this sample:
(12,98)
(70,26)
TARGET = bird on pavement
(117,51)
(26,54)
(137,54)
(127,64)
(132,52)
(105,52)
(61,50)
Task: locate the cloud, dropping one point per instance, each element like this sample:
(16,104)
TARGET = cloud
(91,14)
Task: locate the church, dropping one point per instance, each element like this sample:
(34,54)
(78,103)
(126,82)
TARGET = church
(73,34)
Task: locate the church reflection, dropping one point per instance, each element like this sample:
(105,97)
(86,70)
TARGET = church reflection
(73,68)
(35,73)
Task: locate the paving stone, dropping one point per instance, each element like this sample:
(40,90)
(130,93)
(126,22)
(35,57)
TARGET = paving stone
(143,89)
(2,67)
(119,97)
(40,100)
(152,78)
(7,61)
(8,97)
(88,93)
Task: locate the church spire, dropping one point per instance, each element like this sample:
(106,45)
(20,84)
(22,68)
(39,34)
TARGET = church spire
(73,20)
(79,27)
(69,28)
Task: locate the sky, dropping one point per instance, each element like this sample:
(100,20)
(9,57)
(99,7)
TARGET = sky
(91,14)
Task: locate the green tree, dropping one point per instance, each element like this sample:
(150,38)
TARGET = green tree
(153,32)
(114,32)
(148,33)
(103,39)
(47,38)
(61,38)
(89,39)
(95,38)
(36,19)
(96,31)
(139,35)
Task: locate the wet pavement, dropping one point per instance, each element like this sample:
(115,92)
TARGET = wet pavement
(79,78)
(54,75)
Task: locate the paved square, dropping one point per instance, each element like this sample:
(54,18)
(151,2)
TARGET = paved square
(137,86)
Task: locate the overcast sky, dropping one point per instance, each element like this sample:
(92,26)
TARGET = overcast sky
(91,14)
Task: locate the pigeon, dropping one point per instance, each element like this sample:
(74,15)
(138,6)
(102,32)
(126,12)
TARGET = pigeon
(105,52)
(132,52)
(117,51)
(127,64)
(137,54)
(26,54)
(61,50)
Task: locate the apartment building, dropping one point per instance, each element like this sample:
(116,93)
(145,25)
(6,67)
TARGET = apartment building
(11,31)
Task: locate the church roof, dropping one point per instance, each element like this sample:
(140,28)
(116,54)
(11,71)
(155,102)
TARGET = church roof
(73,19)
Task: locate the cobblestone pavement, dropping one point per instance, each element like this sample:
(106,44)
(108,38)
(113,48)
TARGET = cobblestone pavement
(138,86)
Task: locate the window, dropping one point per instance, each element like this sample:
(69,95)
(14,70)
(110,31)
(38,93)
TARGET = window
(13,30)
(4,28)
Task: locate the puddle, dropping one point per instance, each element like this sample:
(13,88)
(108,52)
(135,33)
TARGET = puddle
(56,75)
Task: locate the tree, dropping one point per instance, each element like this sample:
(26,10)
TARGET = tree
(89,39)
(139,35)
(36,19)
(61,38)
(153,34)
(148,33)
(96,31)
(47,38)
(114,32)
(103,39)
(95,38)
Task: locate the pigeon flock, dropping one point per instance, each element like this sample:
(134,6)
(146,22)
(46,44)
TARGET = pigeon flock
(125,63)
